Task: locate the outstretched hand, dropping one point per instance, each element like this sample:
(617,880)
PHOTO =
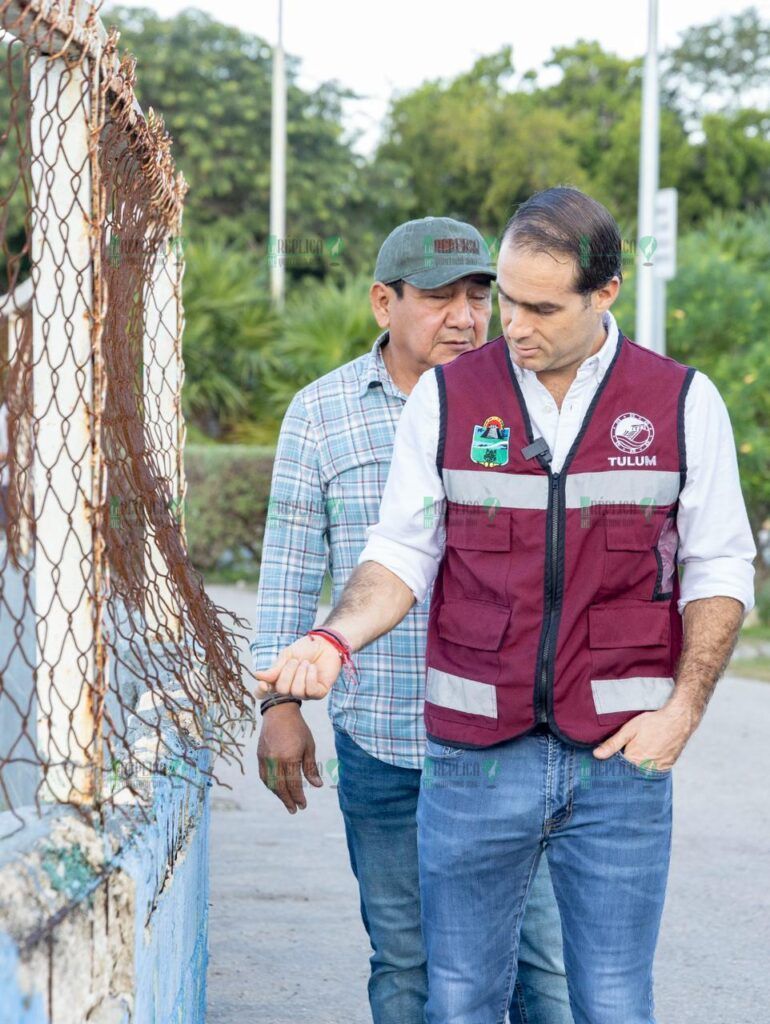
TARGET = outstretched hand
(306,669)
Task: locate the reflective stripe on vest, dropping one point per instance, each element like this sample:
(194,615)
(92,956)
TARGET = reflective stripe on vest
(530,490)
(637,693)
(507,490)
(461,694)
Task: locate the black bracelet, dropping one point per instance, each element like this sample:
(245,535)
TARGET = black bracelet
(278,698)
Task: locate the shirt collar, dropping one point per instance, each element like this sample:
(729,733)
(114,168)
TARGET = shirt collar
(595,364)
(375,371)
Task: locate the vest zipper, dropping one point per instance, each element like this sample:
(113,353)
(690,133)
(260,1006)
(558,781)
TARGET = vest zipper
(542,715)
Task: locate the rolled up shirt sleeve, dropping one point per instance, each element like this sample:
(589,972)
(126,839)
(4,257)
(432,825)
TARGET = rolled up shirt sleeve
(409,537)
(716,546)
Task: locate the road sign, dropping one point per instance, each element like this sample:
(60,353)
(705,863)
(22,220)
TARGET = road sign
(664,261)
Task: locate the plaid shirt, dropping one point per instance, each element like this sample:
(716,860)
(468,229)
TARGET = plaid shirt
(331,464)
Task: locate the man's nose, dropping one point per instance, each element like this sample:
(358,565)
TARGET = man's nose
(460,313)
(519,324)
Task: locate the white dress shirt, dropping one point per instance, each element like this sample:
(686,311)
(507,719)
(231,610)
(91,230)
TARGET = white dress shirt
(716,546)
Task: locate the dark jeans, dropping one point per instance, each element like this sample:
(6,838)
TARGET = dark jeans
(379,806)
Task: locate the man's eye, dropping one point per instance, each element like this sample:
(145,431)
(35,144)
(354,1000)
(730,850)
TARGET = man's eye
(480,298)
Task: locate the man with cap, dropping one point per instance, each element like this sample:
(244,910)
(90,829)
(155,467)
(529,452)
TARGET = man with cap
(589,575)
(431,299)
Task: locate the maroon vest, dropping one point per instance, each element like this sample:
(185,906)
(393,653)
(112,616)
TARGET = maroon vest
(556,597)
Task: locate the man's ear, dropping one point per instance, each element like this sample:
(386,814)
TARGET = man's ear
(606,295)
(380,297)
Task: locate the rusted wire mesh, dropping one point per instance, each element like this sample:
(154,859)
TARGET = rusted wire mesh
(114,663)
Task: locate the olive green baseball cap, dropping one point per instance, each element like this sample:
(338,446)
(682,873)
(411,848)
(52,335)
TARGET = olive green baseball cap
(432,252)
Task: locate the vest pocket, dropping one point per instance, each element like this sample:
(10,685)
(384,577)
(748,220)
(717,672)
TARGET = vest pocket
(631,565)
(631,533)
(477,544)
(476,624)
(625,624)
(629,642)
(479,529)
(470,634)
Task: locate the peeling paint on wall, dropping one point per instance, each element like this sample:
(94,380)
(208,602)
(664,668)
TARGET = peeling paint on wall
(109,925)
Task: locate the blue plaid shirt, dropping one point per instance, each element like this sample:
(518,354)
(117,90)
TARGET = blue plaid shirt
(331,464)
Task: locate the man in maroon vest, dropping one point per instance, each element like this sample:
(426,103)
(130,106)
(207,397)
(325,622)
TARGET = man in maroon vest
(567,661)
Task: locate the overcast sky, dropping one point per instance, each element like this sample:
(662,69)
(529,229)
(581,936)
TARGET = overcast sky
(378,49)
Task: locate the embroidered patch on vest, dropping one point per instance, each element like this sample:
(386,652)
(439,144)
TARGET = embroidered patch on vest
(489,446)
(632,433)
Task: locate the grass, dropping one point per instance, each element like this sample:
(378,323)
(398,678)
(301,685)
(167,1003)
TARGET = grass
(750,668)
(759,632)
(232,575)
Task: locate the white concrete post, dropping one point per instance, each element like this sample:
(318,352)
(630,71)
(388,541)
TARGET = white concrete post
(162,383)
(62,401)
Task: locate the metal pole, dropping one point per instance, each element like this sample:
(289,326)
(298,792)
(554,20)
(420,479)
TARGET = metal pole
(276,242)
(648,187)
(660,315)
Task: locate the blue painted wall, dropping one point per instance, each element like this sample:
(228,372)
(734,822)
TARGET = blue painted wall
(171,951)
(168,860)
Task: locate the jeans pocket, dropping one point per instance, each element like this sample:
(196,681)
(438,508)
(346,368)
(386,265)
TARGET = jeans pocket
(435,749)
(646,769)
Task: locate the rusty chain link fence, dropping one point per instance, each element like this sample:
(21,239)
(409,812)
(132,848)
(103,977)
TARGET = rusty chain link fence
(114,663)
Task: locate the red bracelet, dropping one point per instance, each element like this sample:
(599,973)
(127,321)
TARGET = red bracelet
(342,647)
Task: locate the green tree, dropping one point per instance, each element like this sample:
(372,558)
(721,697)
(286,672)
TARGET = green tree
(594,91)
(742,376)
(15,183)
(719,321)
(442,134)
(230,329)
(212,84)
(324,326)
(731,165)
(600,95)
(534,147)
(721,61)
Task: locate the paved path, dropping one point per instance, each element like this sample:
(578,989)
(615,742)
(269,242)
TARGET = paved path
(286,942)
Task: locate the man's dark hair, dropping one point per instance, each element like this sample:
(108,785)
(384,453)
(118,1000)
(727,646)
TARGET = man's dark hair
(567,221)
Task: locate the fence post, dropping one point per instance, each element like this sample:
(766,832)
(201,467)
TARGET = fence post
(63,399)
(161,375)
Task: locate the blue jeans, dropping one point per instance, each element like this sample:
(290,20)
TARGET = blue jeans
(483,819)
(379,807)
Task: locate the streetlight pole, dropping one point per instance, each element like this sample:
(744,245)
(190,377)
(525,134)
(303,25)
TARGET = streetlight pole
(276,242)
(646,291)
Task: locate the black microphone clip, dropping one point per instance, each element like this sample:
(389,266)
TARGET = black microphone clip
(538,447)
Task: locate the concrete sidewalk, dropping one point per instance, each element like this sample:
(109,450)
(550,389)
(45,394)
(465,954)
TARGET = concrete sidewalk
(287,945)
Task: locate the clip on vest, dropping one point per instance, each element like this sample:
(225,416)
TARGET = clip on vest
(538,447)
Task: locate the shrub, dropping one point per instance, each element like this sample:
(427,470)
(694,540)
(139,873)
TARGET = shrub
(228,487)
